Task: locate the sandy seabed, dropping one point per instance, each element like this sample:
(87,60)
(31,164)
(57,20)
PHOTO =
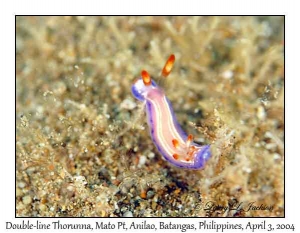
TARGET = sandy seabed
(83,145)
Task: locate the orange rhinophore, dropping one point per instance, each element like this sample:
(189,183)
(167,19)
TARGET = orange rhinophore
(168,66)
(146,77)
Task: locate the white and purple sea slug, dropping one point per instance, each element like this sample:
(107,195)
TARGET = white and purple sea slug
(171,141)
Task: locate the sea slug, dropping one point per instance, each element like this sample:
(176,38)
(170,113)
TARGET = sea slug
(171,141)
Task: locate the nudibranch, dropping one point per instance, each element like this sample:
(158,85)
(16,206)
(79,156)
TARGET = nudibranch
(170,140)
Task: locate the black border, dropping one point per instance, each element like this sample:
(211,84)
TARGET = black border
(199,217)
